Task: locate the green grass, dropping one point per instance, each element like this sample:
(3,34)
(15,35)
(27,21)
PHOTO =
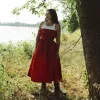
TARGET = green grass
(15,84)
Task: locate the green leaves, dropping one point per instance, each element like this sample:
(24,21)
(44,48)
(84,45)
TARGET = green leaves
(1,70)
(70,19)
(69,12)
(16,11)
(37,8)
(73,23)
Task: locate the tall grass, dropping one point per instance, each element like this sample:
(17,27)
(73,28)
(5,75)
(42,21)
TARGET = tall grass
(14,64)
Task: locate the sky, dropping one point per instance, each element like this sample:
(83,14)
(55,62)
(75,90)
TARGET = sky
(6,7)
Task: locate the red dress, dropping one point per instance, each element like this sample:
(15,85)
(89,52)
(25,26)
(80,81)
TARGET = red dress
(44,66)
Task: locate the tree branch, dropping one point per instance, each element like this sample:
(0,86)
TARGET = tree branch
(69,48)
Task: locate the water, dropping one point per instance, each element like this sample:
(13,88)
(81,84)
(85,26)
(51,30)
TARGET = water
(16,34)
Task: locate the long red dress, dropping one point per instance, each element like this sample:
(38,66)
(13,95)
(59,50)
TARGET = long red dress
(44,66)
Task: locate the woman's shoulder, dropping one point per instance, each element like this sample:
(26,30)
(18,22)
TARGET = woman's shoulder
(57,27)
(41,23)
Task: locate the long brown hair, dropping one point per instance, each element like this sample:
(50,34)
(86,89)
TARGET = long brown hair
(53,16)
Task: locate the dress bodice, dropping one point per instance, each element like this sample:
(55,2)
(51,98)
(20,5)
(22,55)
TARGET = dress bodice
(48,27)
(48,32)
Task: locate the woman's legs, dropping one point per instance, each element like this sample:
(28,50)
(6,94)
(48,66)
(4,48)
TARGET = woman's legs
(57,89)
(43,92)
(43,86)
(43,89)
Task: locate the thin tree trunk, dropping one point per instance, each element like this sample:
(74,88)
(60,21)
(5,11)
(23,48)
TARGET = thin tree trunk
(89,17)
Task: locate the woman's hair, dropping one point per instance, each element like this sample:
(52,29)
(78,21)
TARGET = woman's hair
(54,16)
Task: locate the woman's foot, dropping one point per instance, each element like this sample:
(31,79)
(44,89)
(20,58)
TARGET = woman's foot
(57,90)
(43,92)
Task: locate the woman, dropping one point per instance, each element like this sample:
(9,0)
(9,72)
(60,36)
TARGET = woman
(45,65)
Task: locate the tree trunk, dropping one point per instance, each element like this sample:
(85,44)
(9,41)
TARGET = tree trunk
(89,17)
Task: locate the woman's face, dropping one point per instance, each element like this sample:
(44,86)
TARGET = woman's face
(48,16)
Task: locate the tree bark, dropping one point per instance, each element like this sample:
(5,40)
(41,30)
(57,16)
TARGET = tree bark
(89,17)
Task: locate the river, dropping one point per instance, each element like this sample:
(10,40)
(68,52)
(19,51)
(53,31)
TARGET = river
(16,34)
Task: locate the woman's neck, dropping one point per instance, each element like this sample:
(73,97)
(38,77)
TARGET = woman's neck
(49,22)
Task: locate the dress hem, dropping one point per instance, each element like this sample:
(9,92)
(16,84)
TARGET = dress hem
(60,80)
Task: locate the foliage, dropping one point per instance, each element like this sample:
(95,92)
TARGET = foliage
(72,23)
(70,19)
(28,48)
(1,70)
(14,62)
(35,7)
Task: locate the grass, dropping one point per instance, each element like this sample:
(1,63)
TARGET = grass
(15,60)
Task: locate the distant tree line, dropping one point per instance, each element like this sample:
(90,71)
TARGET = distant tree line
(18,24)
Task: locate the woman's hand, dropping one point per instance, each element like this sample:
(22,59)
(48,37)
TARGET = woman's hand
(57,55)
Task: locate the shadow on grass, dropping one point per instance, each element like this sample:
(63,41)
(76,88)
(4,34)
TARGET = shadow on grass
(50,96)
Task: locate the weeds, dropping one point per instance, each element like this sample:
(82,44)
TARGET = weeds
(15,60)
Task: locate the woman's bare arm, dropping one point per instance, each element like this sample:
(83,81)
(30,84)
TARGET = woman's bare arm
(38,36)
(58,29)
